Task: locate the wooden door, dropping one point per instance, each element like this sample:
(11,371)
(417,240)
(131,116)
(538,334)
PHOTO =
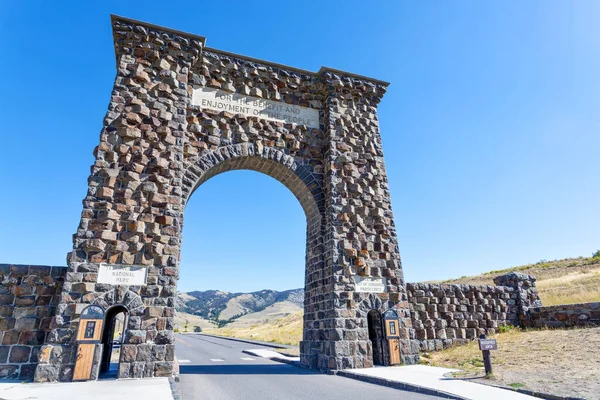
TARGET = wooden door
(394,351)
(83,365)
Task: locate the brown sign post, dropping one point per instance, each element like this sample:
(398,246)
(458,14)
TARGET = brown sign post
(485,345)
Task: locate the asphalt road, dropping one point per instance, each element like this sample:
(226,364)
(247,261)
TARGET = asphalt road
(216,369)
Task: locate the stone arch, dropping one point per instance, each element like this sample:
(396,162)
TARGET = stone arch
(120,296)
(372,302)
(272,162)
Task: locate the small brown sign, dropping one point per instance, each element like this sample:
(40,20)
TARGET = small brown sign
(488,344)
(90,327)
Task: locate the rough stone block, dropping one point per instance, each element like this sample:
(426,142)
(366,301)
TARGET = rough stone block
(9,371)
(32,338)
(4,350)
(11,337)
(154,311)
(135,337)
(19,354)
(7,323)
(144,353)
(26,324)
(7,299)
(165,337)
(24,301)
(27,371)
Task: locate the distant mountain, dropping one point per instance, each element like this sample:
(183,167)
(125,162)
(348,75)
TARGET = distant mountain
(225,307)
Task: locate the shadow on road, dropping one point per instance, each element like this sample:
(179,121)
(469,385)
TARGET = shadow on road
(282,369)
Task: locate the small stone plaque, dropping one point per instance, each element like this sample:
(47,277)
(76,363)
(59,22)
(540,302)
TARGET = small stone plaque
(122,274)
(488,344)
(369,285)
(235,103)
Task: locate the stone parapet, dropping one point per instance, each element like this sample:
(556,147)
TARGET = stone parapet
(444,315)
(527,295)
(566,315)
(28,298)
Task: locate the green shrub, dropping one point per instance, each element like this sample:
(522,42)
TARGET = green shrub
(505,328)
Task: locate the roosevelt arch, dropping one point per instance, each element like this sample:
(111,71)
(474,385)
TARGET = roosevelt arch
(316,132)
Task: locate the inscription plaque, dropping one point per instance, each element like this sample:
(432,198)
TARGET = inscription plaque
(369,285)
(235,103)
(122,274)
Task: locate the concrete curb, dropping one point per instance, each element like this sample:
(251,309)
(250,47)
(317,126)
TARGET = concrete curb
(409,387)
(540,395)
(267,344)
(174,391)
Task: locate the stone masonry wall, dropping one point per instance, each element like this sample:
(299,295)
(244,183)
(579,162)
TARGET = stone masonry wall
(444,315)
(28,297)
(566,315)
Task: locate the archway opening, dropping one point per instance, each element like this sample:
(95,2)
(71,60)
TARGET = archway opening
(115,324)
(270,273)
(375,326)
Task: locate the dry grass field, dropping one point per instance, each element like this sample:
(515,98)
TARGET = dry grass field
(564,362)
(573,280)
(287,330)
(182,319)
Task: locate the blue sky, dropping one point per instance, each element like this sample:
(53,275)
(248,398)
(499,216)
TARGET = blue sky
(490,129)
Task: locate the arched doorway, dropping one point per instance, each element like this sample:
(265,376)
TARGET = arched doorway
(375,325)
(115,324)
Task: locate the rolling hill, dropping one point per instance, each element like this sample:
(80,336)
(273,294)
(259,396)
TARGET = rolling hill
(222,308)
(572,280)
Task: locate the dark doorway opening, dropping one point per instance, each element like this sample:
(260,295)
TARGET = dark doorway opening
(115,324)
(375,325)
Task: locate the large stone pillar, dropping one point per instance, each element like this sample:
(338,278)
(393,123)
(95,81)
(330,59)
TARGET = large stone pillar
(132,213)
(360,236)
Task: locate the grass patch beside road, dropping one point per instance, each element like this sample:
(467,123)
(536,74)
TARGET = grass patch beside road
(563,362)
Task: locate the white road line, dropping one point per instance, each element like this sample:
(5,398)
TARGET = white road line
(183,361)
(216,359)
(247,358)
